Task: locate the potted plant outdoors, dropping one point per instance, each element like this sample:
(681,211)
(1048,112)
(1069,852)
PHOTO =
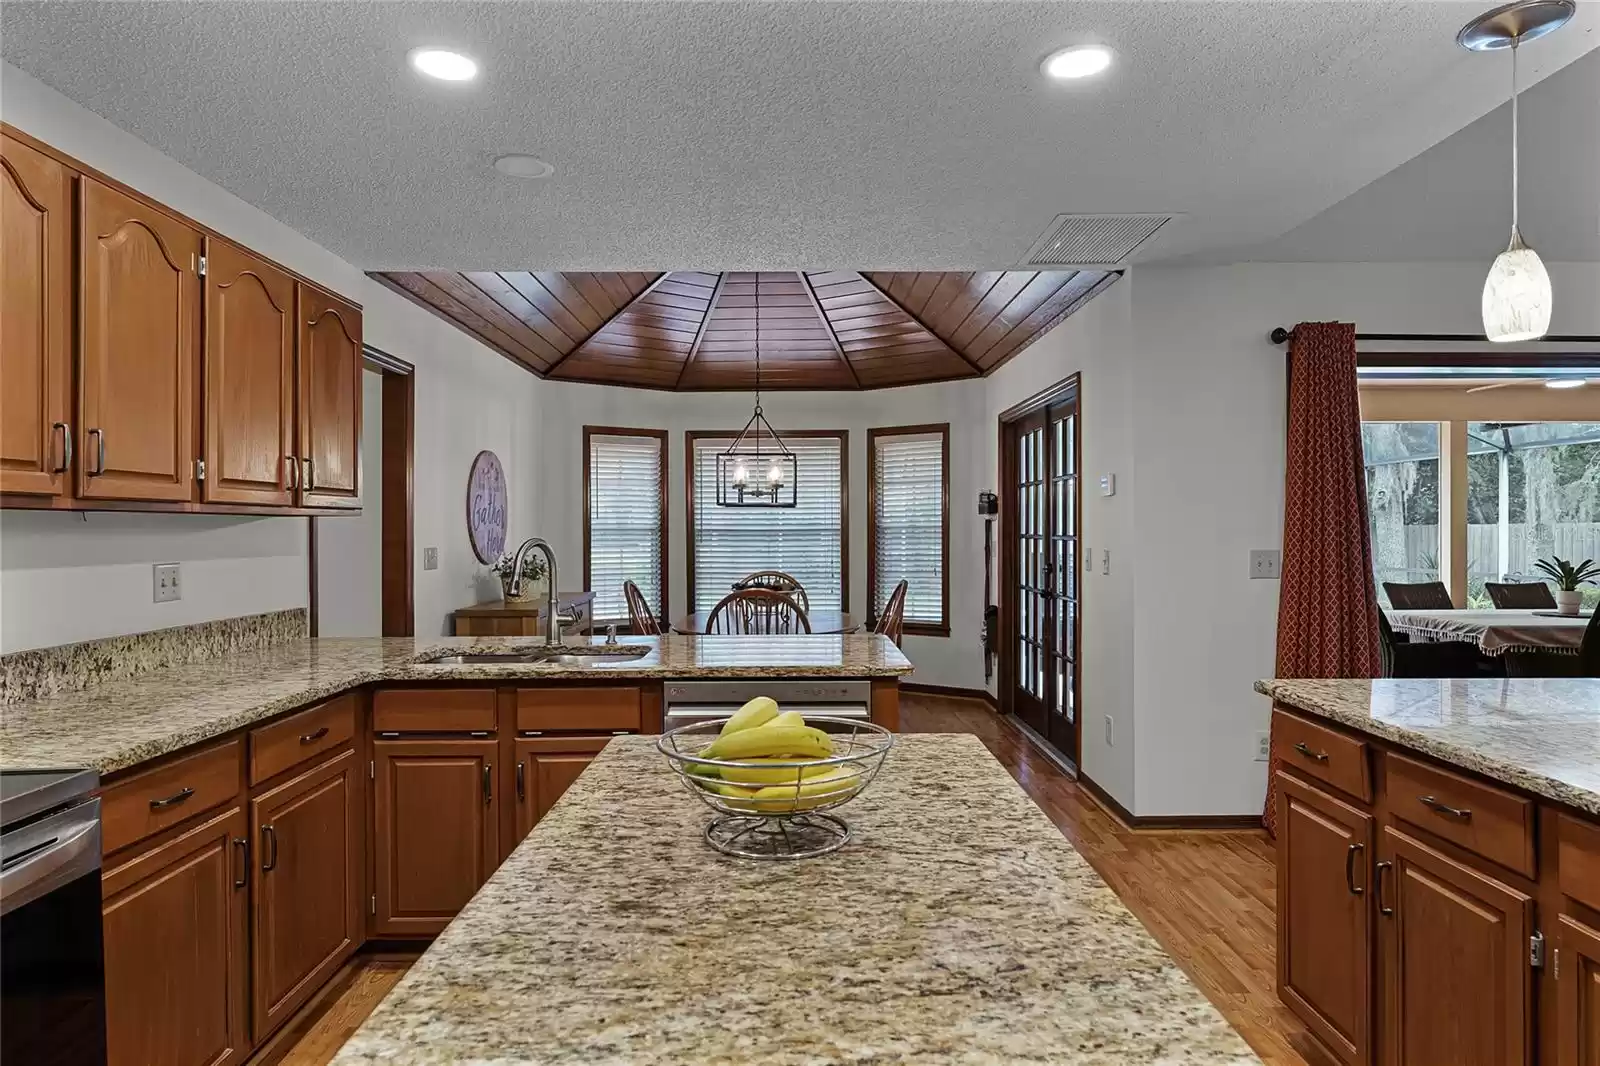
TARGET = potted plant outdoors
(533,577)
(1567,578)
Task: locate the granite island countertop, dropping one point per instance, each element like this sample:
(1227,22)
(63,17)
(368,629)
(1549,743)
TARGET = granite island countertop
(120,724)
(958,926)
(1537,734)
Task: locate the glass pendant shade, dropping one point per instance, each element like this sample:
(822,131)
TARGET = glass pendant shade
(1516,295)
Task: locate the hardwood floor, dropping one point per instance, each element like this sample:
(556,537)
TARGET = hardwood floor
(1206,896)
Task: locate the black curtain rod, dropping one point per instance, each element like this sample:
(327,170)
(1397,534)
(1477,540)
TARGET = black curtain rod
(1282,336)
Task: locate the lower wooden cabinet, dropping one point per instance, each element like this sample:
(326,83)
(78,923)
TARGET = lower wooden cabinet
(1578,1002)
(436,818)
(1457,984)
(177,951)
(307,882)
(1325,956)
(546,767)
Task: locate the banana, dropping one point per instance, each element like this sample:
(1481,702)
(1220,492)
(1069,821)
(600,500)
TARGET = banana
(788,718)
(732,795)
(801,741)
(837,784)
(747,774)
(756,712)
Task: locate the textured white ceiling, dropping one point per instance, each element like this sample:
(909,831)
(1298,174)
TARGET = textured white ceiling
(772,135)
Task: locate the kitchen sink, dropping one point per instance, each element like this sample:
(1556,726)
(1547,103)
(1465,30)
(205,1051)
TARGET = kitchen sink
(592,655)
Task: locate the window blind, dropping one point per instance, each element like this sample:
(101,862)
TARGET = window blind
(803,541)
(908,518)
(625,510)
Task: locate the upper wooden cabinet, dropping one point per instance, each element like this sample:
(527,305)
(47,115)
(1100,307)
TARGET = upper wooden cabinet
(36,295)
(249,379)
(330,400)
(138,348)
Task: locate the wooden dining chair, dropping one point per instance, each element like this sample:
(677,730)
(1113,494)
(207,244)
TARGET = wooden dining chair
(641,620)
(775,581)
(757,610)
(1521,595)
(892,622)
(1418,596)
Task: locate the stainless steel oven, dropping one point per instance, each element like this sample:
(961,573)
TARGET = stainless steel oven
(697,701)
(52,964)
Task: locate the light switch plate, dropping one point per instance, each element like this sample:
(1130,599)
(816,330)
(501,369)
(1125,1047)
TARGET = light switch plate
(1108,484)
(1105,562)
(164,583)
(430,558)
(1266,563)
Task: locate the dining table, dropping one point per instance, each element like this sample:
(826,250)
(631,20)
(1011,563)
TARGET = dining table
(1496,632)
(822,621)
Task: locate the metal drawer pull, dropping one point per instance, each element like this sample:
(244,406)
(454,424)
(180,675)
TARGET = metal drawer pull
(1444,808)
(99,436)
(1350,868)
(308,479)
(488,783)
(244,861)
(313,736)
(1381,867)
(269,857)
(66,446)
(1315,756)
(522,788)
(293,481)
(172,800)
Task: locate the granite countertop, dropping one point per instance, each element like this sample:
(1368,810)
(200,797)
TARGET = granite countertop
(1537,734)
(958,926)
(120,724)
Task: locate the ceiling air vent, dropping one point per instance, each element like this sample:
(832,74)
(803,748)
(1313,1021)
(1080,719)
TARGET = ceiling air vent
(1093,240)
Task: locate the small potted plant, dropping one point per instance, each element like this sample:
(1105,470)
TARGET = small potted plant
(533,577)
(1567,578)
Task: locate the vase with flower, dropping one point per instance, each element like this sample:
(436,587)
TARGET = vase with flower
(535,577)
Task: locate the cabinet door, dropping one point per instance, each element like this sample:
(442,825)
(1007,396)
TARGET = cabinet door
(1456,979)
(546,766)
(177,950)
(1578,1007)
(330,400)
(139,343)
(249,379)
(36,293)
(308,862)
(1325,947)
(436,817)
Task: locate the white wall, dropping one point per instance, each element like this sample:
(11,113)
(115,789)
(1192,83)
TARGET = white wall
(468,398)
(350,549)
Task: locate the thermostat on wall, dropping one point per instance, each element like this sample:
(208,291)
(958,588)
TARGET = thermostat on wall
(1108,484)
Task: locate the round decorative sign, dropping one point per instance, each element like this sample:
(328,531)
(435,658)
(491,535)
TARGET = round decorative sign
(486,508)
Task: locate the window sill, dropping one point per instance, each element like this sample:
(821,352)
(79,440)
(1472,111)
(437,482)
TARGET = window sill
(925,629)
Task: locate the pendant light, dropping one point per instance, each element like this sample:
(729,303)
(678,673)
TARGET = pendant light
(747,477)
(1516,294)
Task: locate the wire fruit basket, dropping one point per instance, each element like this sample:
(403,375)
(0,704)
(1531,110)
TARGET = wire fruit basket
(778,808)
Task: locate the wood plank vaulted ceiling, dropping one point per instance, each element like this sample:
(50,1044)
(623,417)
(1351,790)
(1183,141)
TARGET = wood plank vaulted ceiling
(690,330)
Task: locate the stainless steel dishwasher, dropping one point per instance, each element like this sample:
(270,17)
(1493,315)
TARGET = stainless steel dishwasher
(685,702)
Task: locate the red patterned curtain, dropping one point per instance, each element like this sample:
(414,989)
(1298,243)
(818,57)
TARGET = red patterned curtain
(1327,605)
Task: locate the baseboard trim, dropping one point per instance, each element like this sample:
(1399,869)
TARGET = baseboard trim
(982,695)
(1192,823)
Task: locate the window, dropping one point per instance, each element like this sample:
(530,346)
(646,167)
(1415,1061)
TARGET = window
(624,518)
(1402,461)
(908,523)
(806,541)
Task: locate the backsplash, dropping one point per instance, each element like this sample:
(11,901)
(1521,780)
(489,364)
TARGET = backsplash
(39,672)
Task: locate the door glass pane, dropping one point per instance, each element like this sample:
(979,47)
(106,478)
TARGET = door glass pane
(1402,470)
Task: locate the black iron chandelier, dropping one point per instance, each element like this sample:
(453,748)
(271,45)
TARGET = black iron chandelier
(747,476)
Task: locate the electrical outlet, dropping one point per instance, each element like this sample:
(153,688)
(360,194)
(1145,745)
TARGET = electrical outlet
(1109,741)
(430,558)
(1266,563)
(165,583)
(1105,562)
(1263,745)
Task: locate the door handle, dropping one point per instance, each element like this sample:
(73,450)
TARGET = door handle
(1380,869)
(243,846)
(1444,808)
(269,858)
(66,446)
(314,736)
(293,480)
(1350,869)
(488,783)
(1314,756)
(522,787)
(308,481)
(99,437)
(172,800)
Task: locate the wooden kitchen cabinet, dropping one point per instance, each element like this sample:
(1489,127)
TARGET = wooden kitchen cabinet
(1578,1002)
(177,949)
(250,447)
(436,819)
(1457,985)
(139,292)
(1325,952)
(546,767)
(330,400)
(36,294)
(307,873)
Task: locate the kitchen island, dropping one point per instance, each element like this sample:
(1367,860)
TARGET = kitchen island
(958,926)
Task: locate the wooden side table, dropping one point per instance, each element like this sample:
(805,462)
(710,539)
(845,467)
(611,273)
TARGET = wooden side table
(501,619)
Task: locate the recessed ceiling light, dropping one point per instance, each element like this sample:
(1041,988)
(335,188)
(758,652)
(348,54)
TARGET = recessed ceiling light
(1564,383)
(523,166)
(1081,61)
(444,64)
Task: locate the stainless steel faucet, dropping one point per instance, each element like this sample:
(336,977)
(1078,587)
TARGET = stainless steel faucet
(552,629)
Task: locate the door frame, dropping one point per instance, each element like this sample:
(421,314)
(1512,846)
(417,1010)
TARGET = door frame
(1006,433)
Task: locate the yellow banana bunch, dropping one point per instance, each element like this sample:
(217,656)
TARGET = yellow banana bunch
(837,784)
(756,712)
(801,741)
(747,774)
(788,718)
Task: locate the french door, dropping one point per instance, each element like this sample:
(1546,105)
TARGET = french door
(1045,623)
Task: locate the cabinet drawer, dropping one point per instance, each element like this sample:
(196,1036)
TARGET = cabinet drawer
(1485,820)
(433,710)
(573,709)
(304,735)
(157,799)
(1579,860)
(1325,754)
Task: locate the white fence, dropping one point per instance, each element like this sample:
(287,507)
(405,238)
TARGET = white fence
(1575,541)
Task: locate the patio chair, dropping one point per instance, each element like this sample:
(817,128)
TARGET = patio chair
(1521,595)
(1419,596)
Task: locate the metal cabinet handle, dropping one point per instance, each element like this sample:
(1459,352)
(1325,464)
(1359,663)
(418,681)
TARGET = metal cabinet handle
(488,783)
(314,736)
(1314,756)
(1379,870)
(244,861)
(293,481)
(308,481)
(172,800)
(269,857)
(66,446)
(1350,869)
(1444,808)
(99,436)
(522,787)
